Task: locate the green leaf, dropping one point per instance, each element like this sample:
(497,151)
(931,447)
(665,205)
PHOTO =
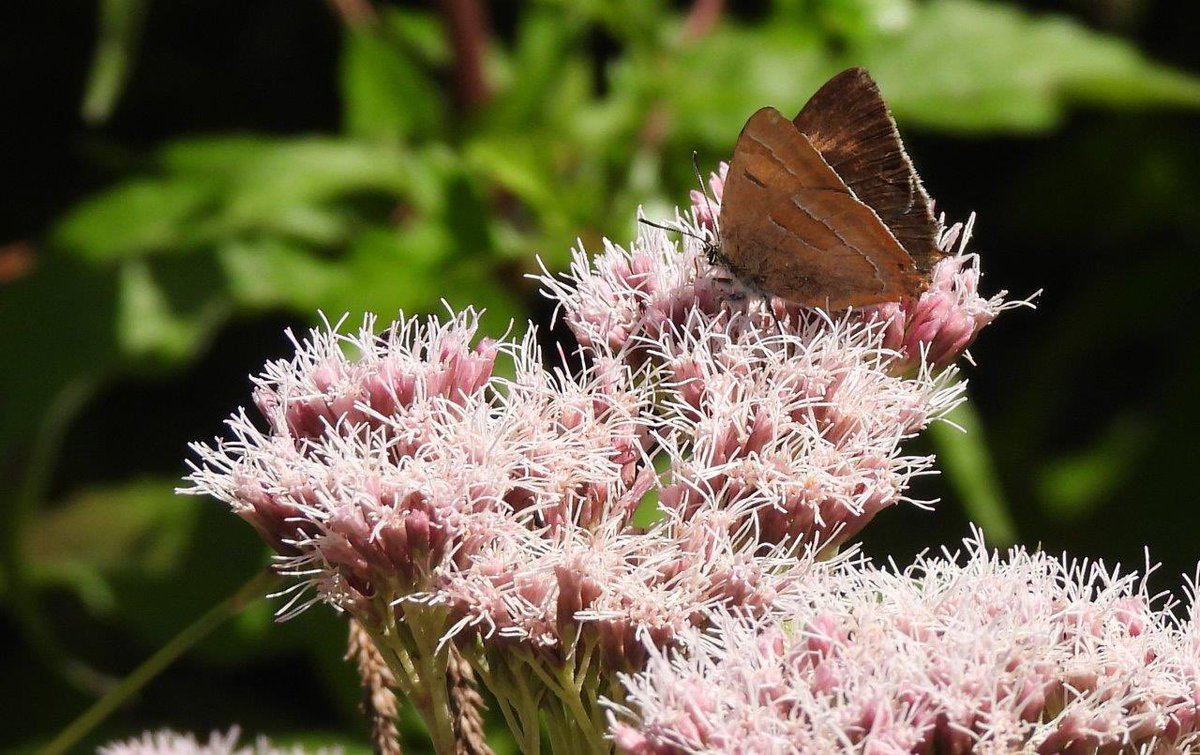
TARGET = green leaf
(966,65)
(966,463)
(59,326)
(467,217)
(546,42)
(215,157)
(1073,486)
(419,31)
(120,30)
(144,526)
(517,164)
(162,322)
(714,87)
(134,218)
(262,175)
(270,272)
(312,171)
(860,20)
(632,21)
(391,269)
(385,94)
(311,190)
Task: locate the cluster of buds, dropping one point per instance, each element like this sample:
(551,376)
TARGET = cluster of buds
(557,528)
(167,742)
(803,433)
(961,653)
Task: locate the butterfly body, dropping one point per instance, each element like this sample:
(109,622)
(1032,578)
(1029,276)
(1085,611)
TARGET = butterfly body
(826,210)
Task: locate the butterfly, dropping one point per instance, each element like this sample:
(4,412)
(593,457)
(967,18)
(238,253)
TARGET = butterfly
(826,210)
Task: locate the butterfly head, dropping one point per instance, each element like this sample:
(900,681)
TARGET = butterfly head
(712,250)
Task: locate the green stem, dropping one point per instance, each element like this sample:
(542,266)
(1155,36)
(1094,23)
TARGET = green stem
(573,708)
(398,655)
(590,691)
(527,707)
(966,462)
(43,454)
(510,717)
(435,695)
(560,736)
(505,694)
(570,712)
(420,669)
(69,737)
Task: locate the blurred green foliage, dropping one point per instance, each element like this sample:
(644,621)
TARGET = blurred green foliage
(591,109)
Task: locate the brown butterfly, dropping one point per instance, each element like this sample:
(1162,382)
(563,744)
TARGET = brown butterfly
(826,209)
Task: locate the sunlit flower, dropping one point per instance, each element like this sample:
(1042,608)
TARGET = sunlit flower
(167,742)
(706,207)
(938,327)
(799,414)
(803,428)
(969,652)
(375,466)
(451,492)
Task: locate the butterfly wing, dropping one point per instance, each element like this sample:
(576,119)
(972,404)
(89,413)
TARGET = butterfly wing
(848,122)
(792,228)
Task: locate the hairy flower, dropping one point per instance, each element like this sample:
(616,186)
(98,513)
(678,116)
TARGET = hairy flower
(938,327)
(797,413)
(802,428)
(380,465)
(706,207)
(442,500)
(427,496)
(167,742)
(957,653)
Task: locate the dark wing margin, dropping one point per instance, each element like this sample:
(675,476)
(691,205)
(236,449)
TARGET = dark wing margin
(848,122)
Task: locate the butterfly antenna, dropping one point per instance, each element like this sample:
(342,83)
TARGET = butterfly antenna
(703,186)
(673,229)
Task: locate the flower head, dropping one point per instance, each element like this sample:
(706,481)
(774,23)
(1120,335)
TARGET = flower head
(404,478)
(938,327)
(957,653)
(388,465)
(804,430)
(167,742)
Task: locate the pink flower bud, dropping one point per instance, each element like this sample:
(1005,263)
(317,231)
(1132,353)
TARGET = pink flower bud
(707,207)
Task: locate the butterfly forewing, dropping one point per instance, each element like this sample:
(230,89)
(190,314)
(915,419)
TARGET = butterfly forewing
(849,124)
(790,226)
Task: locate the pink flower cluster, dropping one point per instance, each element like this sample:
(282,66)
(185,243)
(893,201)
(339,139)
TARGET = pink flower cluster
(558,527)
(801,433)
(166,742)
(974,653)
(795,415)
(400,468)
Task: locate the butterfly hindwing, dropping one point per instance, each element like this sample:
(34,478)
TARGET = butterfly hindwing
(791,227)
(848,122)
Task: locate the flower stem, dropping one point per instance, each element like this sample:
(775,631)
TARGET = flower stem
(69,737)
(420,668)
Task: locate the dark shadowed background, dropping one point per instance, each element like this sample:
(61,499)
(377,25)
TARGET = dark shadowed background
(186,179)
